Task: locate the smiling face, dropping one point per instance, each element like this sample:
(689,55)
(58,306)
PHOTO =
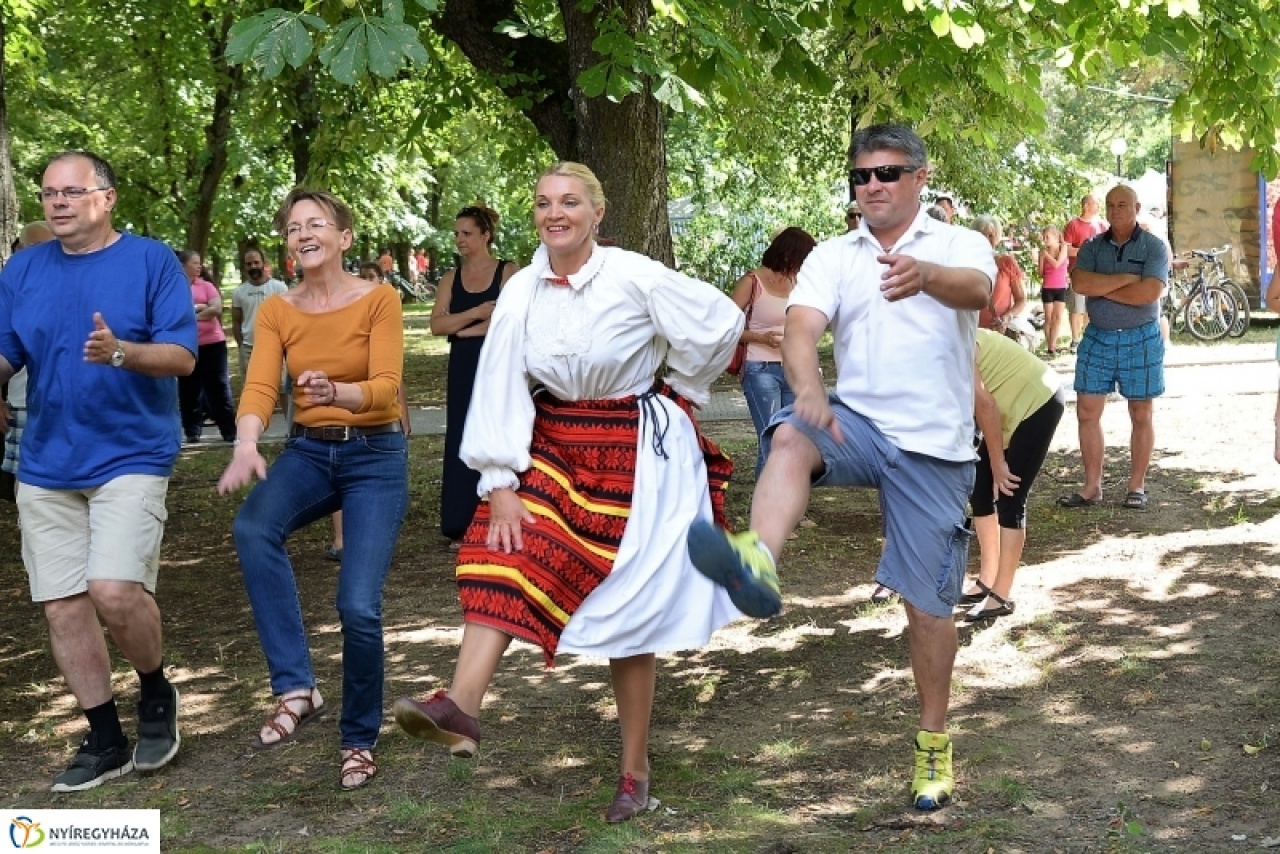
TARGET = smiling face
(565,218)
(313,237)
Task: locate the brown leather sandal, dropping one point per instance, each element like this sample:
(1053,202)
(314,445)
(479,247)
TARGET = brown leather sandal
(356,762)
(286,722)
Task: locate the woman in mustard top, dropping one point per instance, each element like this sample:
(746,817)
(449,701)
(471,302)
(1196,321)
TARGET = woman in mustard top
(1018,401)
(346,451)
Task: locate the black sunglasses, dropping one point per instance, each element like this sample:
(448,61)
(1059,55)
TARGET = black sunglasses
(884,174)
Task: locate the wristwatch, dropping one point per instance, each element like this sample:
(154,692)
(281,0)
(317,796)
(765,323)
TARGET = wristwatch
(117,358)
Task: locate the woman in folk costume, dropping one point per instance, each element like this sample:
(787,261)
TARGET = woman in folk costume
(592,479)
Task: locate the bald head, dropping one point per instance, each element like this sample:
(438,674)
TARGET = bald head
(1088,207)
(1122,190)
(34,234)
(1122,210)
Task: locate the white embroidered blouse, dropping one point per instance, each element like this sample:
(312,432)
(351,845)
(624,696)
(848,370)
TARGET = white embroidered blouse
(601,336)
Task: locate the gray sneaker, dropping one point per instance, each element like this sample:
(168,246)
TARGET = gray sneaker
(94,766)
(158,738)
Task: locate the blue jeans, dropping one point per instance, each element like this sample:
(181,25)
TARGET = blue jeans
(368,480)
(765,387)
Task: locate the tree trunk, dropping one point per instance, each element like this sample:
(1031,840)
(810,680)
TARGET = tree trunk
(9,211)
(305,125)
(624,144)
(217,134)
(855,110)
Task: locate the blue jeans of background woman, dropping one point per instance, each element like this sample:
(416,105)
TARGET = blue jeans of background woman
(764,385)
(367,478)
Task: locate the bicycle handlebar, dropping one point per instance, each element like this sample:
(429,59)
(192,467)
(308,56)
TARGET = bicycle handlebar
(1210,254)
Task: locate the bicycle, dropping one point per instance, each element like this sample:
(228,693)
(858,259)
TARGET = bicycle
(1218,276)
(1207,310)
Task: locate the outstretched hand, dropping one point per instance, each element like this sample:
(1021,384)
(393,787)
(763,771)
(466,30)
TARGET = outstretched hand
(246,463)
(904,277)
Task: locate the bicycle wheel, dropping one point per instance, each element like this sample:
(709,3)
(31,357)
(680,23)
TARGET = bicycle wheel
(1243,310)
(1211,313)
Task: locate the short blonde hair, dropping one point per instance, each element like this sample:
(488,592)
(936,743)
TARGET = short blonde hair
(570,169)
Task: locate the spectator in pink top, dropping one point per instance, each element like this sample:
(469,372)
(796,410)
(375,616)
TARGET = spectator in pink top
(210,378)
(763,294)
(1052,259)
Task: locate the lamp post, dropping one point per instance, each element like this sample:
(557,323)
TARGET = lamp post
(1118,148)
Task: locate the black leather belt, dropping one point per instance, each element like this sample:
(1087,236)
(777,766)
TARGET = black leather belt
(341,434)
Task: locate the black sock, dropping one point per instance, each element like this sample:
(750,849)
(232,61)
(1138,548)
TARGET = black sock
(154,685)
(104,725)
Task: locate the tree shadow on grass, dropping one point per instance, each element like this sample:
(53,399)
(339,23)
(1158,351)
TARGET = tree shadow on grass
(1138,643)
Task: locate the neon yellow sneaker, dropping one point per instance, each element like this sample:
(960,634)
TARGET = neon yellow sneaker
(933,783)
(739,564)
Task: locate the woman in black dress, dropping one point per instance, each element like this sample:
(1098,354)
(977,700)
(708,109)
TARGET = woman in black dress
(464,302)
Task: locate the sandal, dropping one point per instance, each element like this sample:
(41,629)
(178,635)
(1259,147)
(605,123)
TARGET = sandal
(975,598)
(882,594)
(286,722)
(1136,501)
(979,614)
(1075,499)
(356,762)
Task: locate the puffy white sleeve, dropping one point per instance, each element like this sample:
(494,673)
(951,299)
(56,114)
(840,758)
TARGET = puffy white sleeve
(499,426)
(701,326)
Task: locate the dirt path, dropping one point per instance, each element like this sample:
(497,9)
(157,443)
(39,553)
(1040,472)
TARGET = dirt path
(1129,705)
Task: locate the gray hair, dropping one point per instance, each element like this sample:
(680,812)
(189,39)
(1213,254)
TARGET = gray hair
(102,171)
(987,225)
(887,137)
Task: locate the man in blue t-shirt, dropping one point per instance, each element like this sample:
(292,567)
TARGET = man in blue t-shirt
(1122,272)
(103,322)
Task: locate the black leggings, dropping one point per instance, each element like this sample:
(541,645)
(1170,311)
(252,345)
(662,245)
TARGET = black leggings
(1027,449)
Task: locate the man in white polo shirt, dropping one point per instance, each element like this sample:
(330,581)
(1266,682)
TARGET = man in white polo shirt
(901,293)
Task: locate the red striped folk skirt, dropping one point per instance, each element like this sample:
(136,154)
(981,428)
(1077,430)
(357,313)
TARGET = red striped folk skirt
(579,487)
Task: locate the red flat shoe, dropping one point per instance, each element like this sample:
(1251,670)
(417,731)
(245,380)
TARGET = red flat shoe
(631,800)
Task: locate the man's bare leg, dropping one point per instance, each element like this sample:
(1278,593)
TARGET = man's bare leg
(79,649)
(1142,441)
(133,618)
(782,493)
(933,644)
(1092,446)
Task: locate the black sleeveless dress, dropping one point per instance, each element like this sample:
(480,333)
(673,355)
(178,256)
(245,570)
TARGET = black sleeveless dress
(458,499)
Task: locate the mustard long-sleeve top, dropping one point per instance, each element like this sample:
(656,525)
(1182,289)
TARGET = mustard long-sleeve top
(360,343)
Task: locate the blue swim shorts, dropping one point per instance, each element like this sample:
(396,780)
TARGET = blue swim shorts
(1130,359)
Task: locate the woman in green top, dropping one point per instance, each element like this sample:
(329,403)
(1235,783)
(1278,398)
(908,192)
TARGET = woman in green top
(1018,401)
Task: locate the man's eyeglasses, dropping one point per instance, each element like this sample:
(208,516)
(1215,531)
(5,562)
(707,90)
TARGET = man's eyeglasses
(71,194)
(884,174)
(293,229)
